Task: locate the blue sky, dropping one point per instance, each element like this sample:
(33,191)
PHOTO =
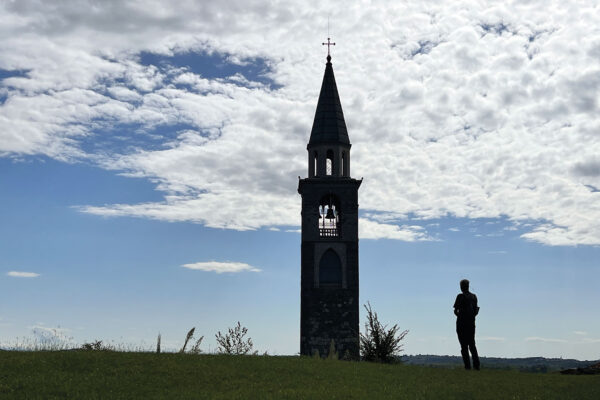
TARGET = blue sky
(148,178)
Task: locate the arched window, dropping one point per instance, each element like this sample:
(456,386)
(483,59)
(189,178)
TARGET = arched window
(329,216)
(330,269)
(344,171)
(315,158)
(329,165)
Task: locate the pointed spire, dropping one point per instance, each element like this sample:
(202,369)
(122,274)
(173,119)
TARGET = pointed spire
(329,125)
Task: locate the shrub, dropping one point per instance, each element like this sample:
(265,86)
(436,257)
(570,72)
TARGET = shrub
(233,341)
(379,344)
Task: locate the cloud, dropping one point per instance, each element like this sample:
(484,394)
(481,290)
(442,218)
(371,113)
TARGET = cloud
(492,339)
(41,329)
(221,267)
(471,109)
(52,338)
(590,340)
(21,274)
(584,337)
(590,168)
(369,229)
(544,340)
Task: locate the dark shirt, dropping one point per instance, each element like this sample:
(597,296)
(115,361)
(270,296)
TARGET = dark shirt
(465,308)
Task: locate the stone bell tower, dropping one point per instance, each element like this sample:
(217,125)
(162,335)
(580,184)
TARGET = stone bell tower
(329,254)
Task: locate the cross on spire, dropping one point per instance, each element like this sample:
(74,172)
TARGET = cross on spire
(328,44)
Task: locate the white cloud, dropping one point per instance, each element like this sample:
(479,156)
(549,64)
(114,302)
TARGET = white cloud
(544,340)
(52,338)
(42,329)
(471,109)
(21,274)
(580,333)
(590,340)
(369,229)
(221,267)
(492,339)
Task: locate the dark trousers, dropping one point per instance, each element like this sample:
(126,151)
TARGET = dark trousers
(466,337)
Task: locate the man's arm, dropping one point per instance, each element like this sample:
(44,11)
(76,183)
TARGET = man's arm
(476,308)
(456,303)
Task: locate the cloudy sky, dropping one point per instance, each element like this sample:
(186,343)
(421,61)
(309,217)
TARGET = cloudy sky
(150,153)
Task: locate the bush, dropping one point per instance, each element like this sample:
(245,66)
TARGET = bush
(380,344)
(233,341)
(96,345)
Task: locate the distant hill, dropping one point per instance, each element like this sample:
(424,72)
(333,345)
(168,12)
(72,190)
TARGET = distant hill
(529,364)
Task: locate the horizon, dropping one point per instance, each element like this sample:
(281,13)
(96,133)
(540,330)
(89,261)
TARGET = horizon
(149,160)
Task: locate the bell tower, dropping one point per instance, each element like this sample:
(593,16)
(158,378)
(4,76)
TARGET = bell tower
(329,254)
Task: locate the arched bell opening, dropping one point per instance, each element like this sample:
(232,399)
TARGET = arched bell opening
(330,270)
(329,216)
(330,165)
(312,164)
(344,166)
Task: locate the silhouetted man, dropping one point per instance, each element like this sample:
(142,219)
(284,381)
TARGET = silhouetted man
(465,309)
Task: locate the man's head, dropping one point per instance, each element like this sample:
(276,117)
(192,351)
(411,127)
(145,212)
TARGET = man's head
(464,285)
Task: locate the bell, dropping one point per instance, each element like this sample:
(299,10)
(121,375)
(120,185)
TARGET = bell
(330,213)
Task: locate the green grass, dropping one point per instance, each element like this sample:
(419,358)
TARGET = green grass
(120,375)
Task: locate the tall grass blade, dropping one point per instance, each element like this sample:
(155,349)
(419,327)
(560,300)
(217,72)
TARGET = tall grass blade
(187,339)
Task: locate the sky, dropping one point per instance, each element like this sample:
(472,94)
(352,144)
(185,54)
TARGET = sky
(150,155)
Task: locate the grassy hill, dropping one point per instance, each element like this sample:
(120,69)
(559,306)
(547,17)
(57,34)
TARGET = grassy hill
(121,375)
(528,364)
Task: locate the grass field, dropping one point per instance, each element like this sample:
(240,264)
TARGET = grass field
(121,375)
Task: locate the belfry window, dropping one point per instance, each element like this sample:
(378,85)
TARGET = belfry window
(329,217)
(344,167)
(329,165)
